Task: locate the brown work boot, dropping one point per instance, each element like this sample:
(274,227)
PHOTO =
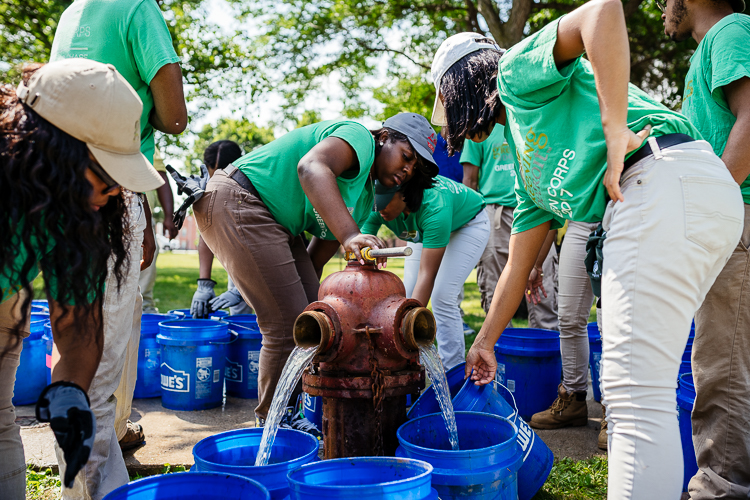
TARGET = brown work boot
(603,431)
(133,438)
(568,410)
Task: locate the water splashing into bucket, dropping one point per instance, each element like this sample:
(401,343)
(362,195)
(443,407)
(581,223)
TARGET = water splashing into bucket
(431,360)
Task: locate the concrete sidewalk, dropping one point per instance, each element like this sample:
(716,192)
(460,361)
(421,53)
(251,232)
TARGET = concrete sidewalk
(171,435)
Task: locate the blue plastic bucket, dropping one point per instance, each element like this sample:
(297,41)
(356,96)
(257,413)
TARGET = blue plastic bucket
(686,365)
(530,366)
(486,466)
(428,403)
(313,409)
(363,478)
(537,457)
(685,400)
(191,486)
(243,356)
(148,383)
(595,357)
(185,314)
(234,452)
(41,304)
(48,346)
(31,376)
(193,358)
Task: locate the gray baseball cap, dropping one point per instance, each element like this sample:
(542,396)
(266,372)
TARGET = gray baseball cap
(420,133)
(383,195)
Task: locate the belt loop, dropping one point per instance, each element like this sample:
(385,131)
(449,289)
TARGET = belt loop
(655,148)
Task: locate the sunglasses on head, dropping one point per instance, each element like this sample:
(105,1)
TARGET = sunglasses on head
(661,4)
(103,176)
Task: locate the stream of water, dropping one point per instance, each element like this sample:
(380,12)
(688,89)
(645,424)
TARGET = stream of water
(430,358)
(295,365)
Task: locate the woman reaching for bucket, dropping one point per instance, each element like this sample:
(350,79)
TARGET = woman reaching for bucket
(674,217)
(67,144)
(317,179)
(448,232)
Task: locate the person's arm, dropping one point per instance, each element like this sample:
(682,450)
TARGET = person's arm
(205,260)
(79,343)
(149,241)
(166,200)
(429,264)
(598,28)
(170,112)
(737,151)
(524,248)
(321,251)
(318,171)
(536,278)
(471,176)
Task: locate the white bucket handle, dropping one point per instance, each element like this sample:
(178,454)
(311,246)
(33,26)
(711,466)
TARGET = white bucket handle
(515,406)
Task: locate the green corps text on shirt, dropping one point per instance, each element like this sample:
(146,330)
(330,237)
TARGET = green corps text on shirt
(446,207)
(497,174)
(273,171)
(554,129)
(130,35)
(722,57)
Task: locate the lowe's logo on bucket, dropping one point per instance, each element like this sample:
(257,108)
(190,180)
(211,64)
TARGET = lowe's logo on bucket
(174,380)
(233,371)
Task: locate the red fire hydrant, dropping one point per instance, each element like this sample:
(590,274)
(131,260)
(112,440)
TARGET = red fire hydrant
(369,335)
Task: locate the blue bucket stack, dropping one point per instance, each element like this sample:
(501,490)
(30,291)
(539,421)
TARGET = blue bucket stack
(685,401)
(243,356)
(191,486)
(485,467)
(363,478)
(595,357)
(530,366)
(148,384)
(193,358)
(31,378)
(234,452)
(48,347)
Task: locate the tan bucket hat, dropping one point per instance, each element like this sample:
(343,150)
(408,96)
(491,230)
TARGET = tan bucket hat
(92,102)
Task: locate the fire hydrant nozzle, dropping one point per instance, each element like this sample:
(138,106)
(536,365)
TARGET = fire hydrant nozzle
(369,254)
(313,328)
(418,328)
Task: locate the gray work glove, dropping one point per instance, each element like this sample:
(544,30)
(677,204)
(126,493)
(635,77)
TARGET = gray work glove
(227,299)
(67,409)
(193,186)
(200,308)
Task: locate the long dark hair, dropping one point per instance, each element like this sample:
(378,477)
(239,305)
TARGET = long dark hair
(470,97)
(47,217)
(219,154)
(413,189)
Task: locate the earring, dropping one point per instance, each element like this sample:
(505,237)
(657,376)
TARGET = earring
(381,143)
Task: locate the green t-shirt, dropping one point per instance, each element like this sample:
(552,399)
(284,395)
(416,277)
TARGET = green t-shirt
(722,57)
(446,206)
(497,175)
(554,130)
(273,171)
(129,34)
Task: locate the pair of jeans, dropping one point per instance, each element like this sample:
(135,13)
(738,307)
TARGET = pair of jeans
(269,266)
(462,253)
(666,244)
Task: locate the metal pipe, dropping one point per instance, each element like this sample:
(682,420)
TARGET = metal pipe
(313,328)
(418,328)
(369,254)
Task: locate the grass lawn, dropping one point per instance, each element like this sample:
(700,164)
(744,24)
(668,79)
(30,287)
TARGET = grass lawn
(175,285)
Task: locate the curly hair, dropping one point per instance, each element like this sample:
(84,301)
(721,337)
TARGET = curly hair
(413,189)
(470,97)
(47,216)
(219,154)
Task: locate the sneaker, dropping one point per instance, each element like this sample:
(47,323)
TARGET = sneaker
(568,410)
(133,438)
(468,330)
(602,443)
(297,421)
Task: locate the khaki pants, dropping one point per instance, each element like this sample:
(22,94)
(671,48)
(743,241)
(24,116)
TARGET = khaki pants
(12,461)
(666,244)
(111,391)
(721,371)
(269,266)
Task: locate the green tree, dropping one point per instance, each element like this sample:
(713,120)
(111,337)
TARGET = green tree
(245,133)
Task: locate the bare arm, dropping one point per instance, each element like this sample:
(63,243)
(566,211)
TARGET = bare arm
(524,248)
(170,113)
(318,171)
(149,242)
(205,260)
(320,252)
(471,176)
(737,152)
(598,28)
(536,278)
(429,264)
(79,342)
(166,200)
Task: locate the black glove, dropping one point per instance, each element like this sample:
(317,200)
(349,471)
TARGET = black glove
(193,186)
(67,409)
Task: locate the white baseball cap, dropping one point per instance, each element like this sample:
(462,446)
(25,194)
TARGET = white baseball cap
(449,53)
(92,102)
